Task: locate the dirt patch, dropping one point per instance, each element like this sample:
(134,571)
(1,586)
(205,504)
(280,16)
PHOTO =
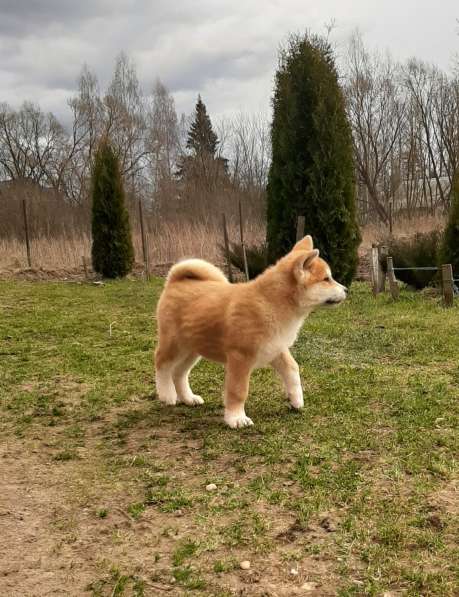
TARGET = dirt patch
(34,559)
(447,499)
(68,527)
(75,274)
(56,539)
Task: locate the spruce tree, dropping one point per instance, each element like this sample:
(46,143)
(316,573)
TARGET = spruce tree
(112,250)
(312,170)
(201,138)
(202,165)
(449,252)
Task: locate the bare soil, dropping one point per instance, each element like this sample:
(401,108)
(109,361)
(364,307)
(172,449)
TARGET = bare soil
(52,543)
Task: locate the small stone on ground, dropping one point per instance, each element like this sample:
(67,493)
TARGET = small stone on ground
(309,586)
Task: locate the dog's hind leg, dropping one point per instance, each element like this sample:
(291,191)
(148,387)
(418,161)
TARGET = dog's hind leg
(182,385)
(165,362)
(289,371)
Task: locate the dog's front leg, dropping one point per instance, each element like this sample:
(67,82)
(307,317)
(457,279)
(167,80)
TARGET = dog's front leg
(289,371)
(237,378)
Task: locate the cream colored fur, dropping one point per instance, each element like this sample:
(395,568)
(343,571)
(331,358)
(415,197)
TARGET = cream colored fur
(243,326)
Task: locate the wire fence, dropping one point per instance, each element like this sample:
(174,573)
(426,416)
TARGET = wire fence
(379,256)
(430,269)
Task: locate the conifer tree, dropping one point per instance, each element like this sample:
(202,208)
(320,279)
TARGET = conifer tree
(449,252)
(312,170)
(112,250)
(202,165)
(201,138)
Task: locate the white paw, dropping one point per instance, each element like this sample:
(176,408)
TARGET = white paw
(191,400)
(170,399)
(296,402)
(237,420)
(295,396)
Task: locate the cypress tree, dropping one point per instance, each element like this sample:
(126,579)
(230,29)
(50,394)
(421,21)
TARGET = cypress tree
(112,250)
(449,252)
(312,170)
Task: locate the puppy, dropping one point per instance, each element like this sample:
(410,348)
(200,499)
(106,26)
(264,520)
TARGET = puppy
(243,326)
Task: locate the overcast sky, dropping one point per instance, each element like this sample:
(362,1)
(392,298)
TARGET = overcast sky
(225,50)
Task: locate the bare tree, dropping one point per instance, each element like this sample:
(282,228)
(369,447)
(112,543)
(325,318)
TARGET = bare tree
(31,145)
(250,151)
(87,127)
(162,138)
(435,102)
(376,108)
(125,118)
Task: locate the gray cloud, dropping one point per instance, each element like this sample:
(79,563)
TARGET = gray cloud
(224,50)
(37,17)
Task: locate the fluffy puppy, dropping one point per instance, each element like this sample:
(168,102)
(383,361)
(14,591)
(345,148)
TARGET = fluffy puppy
(243,326)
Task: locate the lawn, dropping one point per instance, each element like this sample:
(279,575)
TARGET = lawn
(104,488)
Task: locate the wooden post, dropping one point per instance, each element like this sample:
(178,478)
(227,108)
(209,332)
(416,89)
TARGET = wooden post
(26,229)
(244,254)
(300,228)
(447,284)
(227,249)
(383,255)
(85,268)
(394,289)
(390,218)
(374,264)
(144,243)
(378,276)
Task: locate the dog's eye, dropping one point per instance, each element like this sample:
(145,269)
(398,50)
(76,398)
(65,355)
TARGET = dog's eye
(327,279)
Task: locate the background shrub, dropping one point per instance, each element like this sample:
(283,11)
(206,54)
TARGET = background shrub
(418,251)
(257,257)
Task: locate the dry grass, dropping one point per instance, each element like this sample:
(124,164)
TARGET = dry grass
(403,227)
(56,253)
(167,242)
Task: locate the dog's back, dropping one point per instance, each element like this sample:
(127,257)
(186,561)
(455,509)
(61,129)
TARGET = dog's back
(191,306)
(195,269)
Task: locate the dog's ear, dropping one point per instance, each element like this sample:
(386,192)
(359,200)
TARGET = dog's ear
(302,262)
(305,244)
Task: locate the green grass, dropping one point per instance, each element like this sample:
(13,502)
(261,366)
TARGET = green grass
(116,584)
(353,480)
(183,552)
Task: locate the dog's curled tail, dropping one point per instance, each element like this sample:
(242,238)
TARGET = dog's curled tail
(195,269)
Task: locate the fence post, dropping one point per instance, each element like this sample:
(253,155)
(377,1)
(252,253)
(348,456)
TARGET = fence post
(26,229)
(390,218)
(394,289)
(300,228)
(378,277)
(85,268)
(227,249)
(244,254)
(144,243)
(447,284)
